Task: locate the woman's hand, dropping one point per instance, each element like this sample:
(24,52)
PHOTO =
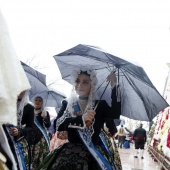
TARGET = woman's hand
(13,131)
(43,114)
(112,78)
(88,117)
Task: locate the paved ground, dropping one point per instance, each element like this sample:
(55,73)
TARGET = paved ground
(131,163)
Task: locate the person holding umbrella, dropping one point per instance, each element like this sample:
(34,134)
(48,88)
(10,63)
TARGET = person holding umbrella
(84,119)
(30,142)
(41,142)
(20,135)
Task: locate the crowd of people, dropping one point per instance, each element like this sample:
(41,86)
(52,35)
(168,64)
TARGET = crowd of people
(83,133)
(79,125)
(84,128)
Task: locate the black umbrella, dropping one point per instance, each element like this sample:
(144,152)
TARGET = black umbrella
(36,79)
(139,98)
(41,77)
(50,98)
(39,88)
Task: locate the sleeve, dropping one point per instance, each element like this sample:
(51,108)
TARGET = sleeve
(60,113)
(116,106)
(28,116)
(28,120)
(111,126)
(108,115)
(62,109)
(46,121)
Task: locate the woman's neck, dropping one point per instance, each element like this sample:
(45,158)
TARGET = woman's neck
(83,97)
(38,110)
(83,100)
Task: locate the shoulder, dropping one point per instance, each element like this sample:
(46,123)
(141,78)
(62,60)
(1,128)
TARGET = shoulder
(29,107)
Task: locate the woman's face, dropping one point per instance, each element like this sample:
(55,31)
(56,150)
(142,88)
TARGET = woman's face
(83,85)
(38,102)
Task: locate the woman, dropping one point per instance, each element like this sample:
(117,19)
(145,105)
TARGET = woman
(87,147)
(30,137)
(40,143)
(20,135)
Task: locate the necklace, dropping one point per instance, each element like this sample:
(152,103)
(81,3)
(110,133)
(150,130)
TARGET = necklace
(83,97)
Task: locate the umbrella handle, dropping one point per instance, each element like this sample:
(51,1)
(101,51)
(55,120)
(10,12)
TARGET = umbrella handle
(88,122)
(101,96)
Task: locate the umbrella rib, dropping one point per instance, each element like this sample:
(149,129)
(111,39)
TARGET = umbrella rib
(131,72)
(138,78)
(137,91)
(101,96)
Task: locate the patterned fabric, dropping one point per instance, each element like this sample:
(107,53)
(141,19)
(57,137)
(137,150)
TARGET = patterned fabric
(62,135)
(15,148)
(39,152)
(36,153)
(114,151)
(69,156)
(116,156)
(26,151)
(58,139)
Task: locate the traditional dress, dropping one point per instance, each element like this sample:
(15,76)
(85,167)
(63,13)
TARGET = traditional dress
(41,143)
(31,145)
(20,143)
(88,147)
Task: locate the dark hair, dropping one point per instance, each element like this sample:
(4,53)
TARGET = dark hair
(38,97)
(141,125)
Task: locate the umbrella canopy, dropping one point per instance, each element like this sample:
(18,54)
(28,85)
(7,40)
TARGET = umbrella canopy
(139,98)
(36,79)
(41,77)
(50,98)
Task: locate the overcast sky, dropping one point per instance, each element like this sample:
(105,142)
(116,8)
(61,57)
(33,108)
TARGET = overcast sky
(137,30)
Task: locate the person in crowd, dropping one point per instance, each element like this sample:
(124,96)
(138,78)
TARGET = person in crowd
(126,144)
(84,119)
(18,136)
(139,136)
(29,139)
(130,133)
(121,136)
(41,142)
